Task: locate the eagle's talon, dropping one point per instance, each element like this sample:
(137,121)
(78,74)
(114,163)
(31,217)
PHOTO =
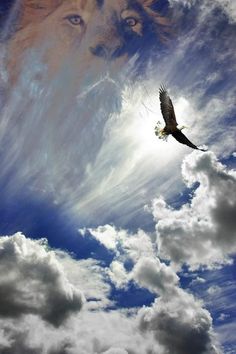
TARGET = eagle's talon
(160,133)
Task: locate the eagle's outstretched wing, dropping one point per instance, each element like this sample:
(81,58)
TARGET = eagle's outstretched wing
(181,138)
(167,108)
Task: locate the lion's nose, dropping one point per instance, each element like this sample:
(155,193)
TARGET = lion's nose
(100,51)
(106,52)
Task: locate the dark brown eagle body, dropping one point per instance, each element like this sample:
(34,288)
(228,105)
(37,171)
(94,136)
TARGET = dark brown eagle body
(168,113)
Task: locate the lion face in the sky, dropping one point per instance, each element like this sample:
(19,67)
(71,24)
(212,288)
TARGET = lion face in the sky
(93,31)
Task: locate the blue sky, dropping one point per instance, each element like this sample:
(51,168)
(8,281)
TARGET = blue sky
(114,241)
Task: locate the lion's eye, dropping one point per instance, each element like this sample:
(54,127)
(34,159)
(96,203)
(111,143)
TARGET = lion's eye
(75,19)
(131,21)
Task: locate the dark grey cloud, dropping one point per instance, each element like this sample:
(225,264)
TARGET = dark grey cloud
(33,282)
(180,324)
(62,348)
(19,346)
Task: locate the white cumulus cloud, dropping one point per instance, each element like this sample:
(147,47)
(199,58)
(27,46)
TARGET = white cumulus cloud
(203,230)
(180,324)
(33,281)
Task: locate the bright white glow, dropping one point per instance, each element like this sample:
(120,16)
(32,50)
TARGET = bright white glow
(143,110)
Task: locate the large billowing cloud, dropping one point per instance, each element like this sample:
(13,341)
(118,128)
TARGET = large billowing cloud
(202,231)
(177,320)
(180,324)
(32,281)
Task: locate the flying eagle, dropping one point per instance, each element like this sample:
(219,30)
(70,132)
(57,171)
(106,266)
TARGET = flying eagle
(168,113)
